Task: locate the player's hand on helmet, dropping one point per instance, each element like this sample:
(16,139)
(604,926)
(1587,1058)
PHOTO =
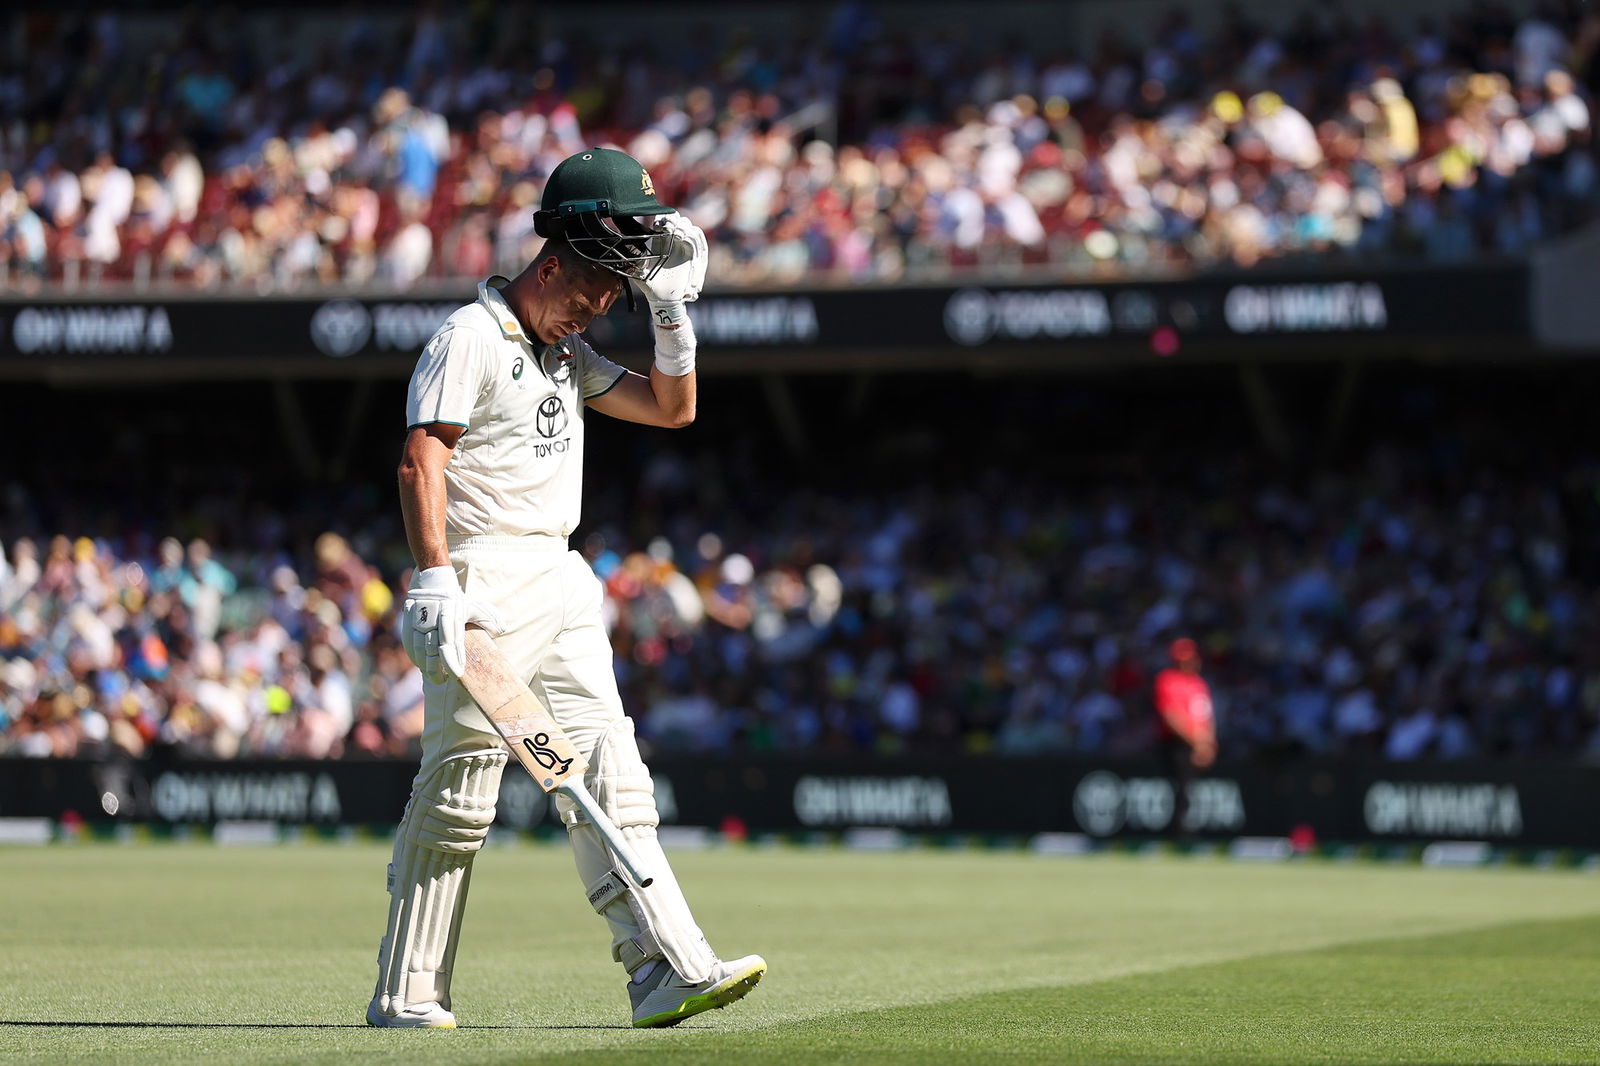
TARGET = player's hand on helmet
(683,274)
(433,622)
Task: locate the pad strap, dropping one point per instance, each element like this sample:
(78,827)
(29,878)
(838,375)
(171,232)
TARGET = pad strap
(638,951)
(642,947)
(606,891)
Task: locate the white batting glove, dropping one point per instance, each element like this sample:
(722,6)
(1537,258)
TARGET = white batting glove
(433,622)
(682,276)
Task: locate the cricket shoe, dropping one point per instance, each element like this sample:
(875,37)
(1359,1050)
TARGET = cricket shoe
(417,1016)
(664,998)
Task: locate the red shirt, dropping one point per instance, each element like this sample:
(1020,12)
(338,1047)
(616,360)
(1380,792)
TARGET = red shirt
(1184,701)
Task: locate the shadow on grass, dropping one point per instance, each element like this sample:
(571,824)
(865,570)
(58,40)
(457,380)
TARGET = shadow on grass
(259,1025)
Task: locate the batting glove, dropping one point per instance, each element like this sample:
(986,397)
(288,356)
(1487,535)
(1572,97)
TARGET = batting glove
(433,622)
(681,276)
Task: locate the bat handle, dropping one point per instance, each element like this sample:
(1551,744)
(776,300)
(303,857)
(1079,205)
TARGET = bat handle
(573,788)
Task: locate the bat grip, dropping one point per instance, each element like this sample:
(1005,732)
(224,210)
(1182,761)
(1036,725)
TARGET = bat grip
(573,788)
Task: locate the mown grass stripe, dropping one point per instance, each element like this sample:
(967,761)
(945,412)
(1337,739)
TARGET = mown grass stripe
(254,956)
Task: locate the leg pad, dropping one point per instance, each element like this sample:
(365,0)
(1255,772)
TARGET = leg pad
(445,824)
(646,923)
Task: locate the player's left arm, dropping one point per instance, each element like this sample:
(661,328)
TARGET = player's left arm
(667,396)
(658,400)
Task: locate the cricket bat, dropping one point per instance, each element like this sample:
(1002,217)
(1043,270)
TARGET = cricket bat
(535,740)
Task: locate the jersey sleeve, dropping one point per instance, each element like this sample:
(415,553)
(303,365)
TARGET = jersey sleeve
(1170,704)
(1165,699)
(597,375)
(449,378)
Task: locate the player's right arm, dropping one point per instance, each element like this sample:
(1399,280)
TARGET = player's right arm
(422,497)
(444,390)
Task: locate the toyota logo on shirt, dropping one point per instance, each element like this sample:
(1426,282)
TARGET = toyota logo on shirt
(551,418)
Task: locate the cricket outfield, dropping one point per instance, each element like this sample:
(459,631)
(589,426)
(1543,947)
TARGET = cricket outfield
(190,953)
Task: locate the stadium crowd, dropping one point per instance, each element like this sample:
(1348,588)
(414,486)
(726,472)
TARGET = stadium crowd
(413,148)
(1410,607)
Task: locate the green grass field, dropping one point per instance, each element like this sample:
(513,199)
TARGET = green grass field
(191,953)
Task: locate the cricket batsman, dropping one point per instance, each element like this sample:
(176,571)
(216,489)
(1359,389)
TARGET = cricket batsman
(490,486)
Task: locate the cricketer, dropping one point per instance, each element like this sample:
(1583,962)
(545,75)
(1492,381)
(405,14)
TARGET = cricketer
(490,487)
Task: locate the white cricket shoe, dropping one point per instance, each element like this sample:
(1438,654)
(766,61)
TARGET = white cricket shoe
(416,1016)
(664,998)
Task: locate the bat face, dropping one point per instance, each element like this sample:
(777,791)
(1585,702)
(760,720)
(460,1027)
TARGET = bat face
(532,736)
(536,741)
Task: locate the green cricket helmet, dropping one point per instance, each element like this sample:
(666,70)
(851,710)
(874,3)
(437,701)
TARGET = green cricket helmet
(600,200)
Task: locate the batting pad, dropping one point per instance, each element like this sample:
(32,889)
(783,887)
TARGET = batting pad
(445,824)
(646,923)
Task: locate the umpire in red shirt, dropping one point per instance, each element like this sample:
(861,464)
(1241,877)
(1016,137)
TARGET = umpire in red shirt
(1185,730)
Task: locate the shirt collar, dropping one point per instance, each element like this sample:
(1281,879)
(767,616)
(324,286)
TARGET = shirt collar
(489,296)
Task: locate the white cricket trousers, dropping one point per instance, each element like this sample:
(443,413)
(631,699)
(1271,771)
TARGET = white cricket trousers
(549,601)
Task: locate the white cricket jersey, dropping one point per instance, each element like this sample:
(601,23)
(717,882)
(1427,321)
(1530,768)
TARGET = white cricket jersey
(518,468)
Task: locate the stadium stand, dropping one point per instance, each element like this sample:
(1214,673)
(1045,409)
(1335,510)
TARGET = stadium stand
(1426,592)
(166,586)
(411,149)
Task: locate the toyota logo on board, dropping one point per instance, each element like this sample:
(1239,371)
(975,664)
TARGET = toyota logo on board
(969,316)
(1097,803)
(341,327)
(977,316)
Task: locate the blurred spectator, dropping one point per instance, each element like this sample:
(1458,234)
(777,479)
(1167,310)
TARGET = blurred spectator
(864,153)
(101,654)
(1407,606)
(341,575)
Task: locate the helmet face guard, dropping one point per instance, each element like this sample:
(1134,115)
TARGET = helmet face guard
(620,243)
